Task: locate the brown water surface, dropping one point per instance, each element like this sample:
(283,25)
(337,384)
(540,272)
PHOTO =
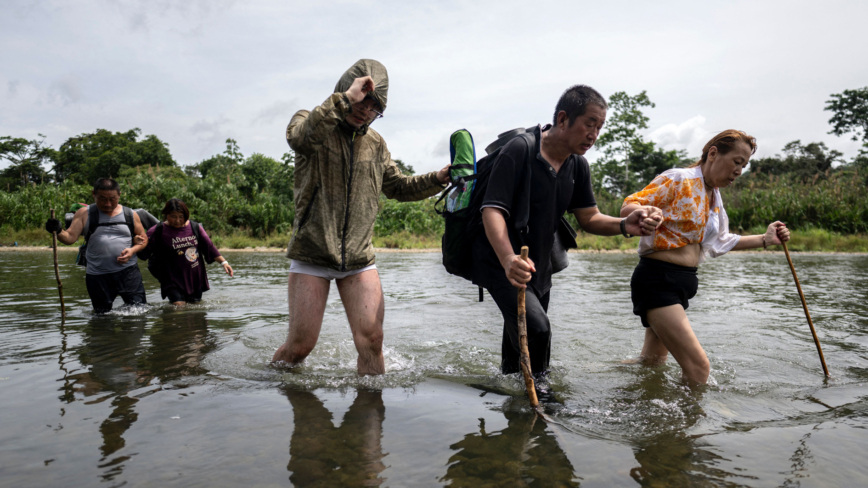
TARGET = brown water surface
(153,396)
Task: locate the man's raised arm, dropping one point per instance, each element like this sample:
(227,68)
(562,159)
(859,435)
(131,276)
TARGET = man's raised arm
(68,236)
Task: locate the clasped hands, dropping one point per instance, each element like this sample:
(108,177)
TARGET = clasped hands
(644,221)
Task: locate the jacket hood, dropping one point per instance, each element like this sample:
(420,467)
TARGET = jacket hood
(367,67)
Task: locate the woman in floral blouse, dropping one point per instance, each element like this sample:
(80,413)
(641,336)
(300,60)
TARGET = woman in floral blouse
(694,226)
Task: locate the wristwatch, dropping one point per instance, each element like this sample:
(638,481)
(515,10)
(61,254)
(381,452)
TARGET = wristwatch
(624,228)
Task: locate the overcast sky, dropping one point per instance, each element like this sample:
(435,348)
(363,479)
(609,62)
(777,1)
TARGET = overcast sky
(196,72)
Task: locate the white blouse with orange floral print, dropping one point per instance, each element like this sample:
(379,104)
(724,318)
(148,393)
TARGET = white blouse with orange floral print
(682,196)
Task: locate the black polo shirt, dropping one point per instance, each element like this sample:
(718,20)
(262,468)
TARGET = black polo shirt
(551,195)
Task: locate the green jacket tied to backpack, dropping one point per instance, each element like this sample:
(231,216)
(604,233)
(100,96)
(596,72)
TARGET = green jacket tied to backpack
(339,173)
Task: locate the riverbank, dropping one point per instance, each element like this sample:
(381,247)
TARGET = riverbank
(812,240)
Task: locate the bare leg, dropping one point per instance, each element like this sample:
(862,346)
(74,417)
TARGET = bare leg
(654,353)
(307,300)
(179,304)
(670,331)
(363,301)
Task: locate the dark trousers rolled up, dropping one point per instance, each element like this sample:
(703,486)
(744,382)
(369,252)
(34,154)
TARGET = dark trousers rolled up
(539,335)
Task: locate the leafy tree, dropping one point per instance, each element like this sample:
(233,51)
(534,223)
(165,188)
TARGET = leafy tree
(27,158)
(263,173)
(624,121)
(629,162)
(102,153)
(647,161)
(260,170)
(850,110)
(165,172)
(222,166)
(405,168)
(284,182)
(814,160)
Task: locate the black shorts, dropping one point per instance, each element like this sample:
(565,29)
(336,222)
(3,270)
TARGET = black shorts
(104,288)
(174,294)
(658,284)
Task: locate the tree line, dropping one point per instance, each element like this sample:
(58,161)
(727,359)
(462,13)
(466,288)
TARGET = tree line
(807,185)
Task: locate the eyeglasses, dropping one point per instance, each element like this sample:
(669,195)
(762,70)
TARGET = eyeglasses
(379,115)
(361,107)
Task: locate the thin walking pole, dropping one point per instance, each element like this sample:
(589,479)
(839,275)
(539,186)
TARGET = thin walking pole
(807,314)
(57,270)
(522,340)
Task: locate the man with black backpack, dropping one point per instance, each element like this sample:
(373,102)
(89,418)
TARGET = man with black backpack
(109,250)
(535,185)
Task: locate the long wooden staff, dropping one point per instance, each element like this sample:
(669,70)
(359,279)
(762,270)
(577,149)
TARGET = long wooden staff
(57,271)
(522,340)
(807,314)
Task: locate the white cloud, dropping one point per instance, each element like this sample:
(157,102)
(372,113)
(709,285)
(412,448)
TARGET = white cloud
(690,135)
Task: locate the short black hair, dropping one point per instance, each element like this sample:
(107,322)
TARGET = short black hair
(106,184)
(175,205)
(575,102)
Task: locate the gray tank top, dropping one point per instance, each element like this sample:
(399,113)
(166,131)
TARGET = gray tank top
(106,244)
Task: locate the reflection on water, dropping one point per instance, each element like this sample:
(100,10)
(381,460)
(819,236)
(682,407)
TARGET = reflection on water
(666,454)
(325,455)
(525,453)
(164,397)
(122,357)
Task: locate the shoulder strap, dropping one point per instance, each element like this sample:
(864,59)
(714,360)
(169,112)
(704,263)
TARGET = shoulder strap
(523,213)
(92,221)
(158,234)
(131,221)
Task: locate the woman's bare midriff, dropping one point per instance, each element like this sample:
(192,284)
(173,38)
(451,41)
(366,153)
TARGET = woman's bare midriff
(683,256)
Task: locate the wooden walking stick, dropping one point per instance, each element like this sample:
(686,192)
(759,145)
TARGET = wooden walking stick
(522,340)
(57,271)
(807,314)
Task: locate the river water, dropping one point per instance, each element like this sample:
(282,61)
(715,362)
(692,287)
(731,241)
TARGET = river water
(161,397)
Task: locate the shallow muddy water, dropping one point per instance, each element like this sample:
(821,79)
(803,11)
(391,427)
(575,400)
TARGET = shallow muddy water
(162,397)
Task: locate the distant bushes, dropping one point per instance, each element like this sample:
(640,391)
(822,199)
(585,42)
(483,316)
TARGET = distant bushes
(417,218)
(837,202)
(241,213)
(221,207)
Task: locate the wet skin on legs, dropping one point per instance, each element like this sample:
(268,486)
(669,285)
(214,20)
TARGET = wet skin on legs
(362,297)
(670,332)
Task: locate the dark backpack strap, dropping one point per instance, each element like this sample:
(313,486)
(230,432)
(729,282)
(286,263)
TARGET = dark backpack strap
(161,252)
(92,221)
(159,255)
(131,223)
(158,235)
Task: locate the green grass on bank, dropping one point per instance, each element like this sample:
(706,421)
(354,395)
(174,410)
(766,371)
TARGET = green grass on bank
(816,240)
(406,240)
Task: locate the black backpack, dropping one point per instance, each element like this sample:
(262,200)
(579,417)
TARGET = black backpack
(92,224)
(160,255)
(462,227)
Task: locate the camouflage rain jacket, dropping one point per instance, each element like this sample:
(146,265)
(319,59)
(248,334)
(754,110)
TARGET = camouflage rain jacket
(339,173)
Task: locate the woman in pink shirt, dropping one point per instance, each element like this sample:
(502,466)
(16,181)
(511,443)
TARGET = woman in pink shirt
(178,250)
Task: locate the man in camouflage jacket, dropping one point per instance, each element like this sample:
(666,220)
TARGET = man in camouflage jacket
(341,167)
